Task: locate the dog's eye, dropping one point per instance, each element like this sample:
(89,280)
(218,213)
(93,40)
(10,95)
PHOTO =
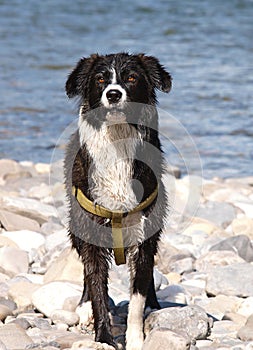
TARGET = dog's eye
(131,79)
(101,80)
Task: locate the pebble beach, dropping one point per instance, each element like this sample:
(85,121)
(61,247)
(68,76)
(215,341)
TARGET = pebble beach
(203,270)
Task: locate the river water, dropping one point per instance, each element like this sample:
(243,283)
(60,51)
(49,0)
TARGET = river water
(206,45)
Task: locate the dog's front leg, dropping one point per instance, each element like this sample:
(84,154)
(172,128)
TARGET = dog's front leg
(95,261)
(141,271)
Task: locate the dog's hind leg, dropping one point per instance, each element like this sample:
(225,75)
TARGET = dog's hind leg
(95,260)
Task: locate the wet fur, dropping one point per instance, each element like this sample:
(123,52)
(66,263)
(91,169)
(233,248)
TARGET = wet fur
(112,185)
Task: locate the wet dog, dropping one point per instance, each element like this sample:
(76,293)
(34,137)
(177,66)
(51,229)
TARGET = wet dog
(113,170)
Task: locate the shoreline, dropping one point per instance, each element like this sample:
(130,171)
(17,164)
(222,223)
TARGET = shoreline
(205,261)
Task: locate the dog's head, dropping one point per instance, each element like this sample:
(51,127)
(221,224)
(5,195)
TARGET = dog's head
(111,81)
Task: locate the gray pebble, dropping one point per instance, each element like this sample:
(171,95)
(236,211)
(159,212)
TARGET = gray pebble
(231,280)
(240,244)
(189,320)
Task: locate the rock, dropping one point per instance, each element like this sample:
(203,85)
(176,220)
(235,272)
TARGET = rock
(236,318)
(246,207)
(14,337)
(64,316)
(41,323)
(39,192)
(182,265)
(118,291)
(67,267)
(8,166)
(189,320)
(246,332)
(42,168)
(162,338)
(194,285)
(231,280)
(243,226)
(219,305)
(58,238)
(88,343)
(50,228)
(21,293)
(173,277)
(159,279)
(118,329)
(216,258)
(9,303)
(221,214)
(200,225)
(4,312)
(69,339)
(26,240)
(12,222)
(240,244)
(173,293)
(6,242)
(22,322)
(178,263)
(13,261)
(58,293)
(30,208)
(246,307)
(205,344)
(222,329)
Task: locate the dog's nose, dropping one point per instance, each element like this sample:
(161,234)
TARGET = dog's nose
(113,96)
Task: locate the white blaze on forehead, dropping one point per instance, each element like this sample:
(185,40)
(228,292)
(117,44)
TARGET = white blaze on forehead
(113,86)
(114,76)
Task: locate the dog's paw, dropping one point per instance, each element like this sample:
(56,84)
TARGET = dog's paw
(134,340)
(85,314)
(135,344)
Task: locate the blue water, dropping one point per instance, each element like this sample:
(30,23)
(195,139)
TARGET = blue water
(206,45)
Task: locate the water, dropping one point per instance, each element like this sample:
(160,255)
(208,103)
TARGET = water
(206,45)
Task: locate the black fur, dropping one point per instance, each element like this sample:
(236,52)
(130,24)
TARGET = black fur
(83,83)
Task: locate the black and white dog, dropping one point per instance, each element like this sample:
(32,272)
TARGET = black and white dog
(113,169)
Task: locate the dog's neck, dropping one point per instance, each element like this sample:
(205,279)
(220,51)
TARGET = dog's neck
(112,149)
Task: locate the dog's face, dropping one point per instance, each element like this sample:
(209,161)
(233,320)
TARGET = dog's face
(112,81)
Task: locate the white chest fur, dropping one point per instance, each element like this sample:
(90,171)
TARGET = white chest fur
(112,149)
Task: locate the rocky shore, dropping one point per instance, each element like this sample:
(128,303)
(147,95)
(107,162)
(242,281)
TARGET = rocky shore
(203,274)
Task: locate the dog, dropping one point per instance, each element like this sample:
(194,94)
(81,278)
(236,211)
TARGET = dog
(113,176)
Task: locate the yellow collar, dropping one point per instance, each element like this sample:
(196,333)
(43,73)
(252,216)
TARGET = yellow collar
(115,217)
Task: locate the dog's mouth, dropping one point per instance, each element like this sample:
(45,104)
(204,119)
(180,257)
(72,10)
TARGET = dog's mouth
(115,116)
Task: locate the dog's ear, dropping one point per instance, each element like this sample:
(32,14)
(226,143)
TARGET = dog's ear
(160,78)
(77,80)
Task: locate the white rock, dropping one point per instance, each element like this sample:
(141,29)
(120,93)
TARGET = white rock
(246,307)
(53,295)
(67,267)
(40,191)
(25,239)
(64,316)
(29,207)
(13,261)
(244,226)
(246,207)
(217,258)
(42,168)
(13,222)
(173,293)
(221,304)
(56,238)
